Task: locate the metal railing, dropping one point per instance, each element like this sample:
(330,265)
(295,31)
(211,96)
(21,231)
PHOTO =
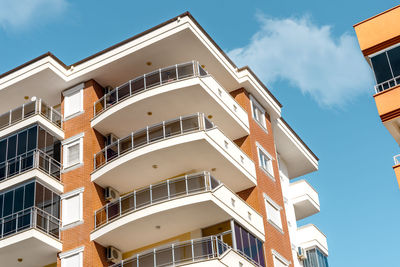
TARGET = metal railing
(30,160)
(150,134)
(147,81)
(155,193)
(27,219)
(195,250)
(396,159)
(387,84)
(28,110)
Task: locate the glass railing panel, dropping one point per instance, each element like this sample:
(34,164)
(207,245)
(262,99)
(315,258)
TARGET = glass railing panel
(127,204)
(4,120)
(168,74)
(143,198)
(196,183)
(177,187)
(140,138)
(29,109)
(156,132)
(148,81)
(164,257)
(172,127)
(190,124)
(16,115)
(159,192)
(152,79)
(125,144)
(113,210)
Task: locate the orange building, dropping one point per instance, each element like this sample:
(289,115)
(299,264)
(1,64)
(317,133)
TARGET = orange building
(379,39)
(157,151)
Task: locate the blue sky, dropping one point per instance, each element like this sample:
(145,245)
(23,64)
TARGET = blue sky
(304,51)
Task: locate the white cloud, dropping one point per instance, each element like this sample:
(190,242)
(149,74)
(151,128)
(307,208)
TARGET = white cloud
(332,70)
(22,13)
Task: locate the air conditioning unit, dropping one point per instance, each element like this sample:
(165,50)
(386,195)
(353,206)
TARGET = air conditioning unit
(114,255)
(111,194)
(110,138)
(301,253)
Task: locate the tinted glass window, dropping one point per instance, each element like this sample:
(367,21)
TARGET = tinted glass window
(3,150)
(394,58)
(29,195)
(19,199)
(39,196)
(8,203)
(12,147)
(246,245)
(47,200)
(41,139)
(22,142)
(32,136)
(381,68)
(1,206)
(56,205)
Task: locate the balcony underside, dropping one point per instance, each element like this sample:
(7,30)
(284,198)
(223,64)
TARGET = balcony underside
(304,207)
(172,100)
(188,153)
(32,246)
(170,218)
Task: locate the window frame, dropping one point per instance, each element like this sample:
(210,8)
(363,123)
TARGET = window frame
(260,121)
(77,192)
(278,256)
(274,205)
(74,252)
(261,151)
(68,114)
(66,144)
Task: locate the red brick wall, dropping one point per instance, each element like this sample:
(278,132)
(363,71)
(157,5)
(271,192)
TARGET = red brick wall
(254,196)
(94,254)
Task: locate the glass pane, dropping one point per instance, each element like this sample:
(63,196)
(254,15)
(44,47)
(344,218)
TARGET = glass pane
(48,200)
(196,183)
(238,237)
(253,248)
(168,74)
(190,123)
(42,139)
(152,79)
(185,70)
(381,68)
(29,195)
(16,115)
(159,192)
(177,187)
(142,198)
(156,132)
(39,196)
(246,244)
(183,253)
(22,141)
(19,199)
(1,207)
(172,128)
(113,210)
(137,85)
(394,58)
(8,203)
(4,120)
(56,206)
(127,203)
(112,151)
(140,138)
(123,91)
(125,144)
(3,149)
(260,253)
(163,257)
(29,109)
(146,260)
(12,147)
(32,136)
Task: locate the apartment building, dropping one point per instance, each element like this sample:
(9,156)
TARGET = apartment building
(157,151)
(379,39)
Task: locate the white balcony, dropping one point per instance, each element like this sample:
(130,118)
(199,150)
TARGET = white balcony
(168,93)
(30,235)
(202,252)
(33,112)
(309,236)
(183,145)
(304,198)
(169,208)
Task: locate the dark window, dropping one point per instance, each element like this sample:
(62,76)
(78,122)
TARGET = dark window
(29,195)
(47,200)
(19,199)
(1,206)
(8,203)
(22,142)
(42,139)
(394,58)
(3,150)
(381,68)
(12,147)
(32,136)
(39,196)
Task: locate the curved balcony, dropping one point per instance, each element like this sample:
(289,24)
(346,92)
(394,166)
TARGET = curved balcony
(167,93)
(36,111)
(186,144)
(163,210)
(29,165)
(32,235)
(206,251)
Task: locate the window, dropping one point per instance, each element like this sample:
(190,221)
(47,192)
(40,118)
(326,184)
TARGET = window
(249,245)
(265,160)
(258,112)
(279,260)
(73,151)
(72,258)
(315,258)
(72,207)
(386,66)
(273,212)
(73,101)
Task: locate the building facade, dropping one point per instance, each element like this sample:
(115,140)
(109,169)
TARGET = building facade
(157,151)
(379,39)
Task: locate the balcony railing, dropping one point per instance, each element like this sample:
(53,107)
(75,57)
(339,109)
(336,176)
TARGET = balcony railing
(155,193)
(396,159)
(148,81)
(195,250)
(28,110)
(27,219)
(150,134)
(30,160)
(387,85)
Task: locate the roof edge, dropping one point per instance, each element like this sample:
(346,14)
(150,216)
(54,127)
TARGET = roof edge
(377,15)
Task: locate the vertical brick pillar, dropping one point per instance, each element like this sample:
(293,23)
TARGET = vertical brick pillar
(93,199)
(274,239)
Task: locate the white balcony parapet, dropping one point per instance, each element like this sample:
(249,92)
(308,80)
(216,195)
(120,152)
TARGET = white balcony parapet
(147,81)
(26,112)
(190,252)
(396,159)
(309,236)
(194,130)
(304,198)
(190,196)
